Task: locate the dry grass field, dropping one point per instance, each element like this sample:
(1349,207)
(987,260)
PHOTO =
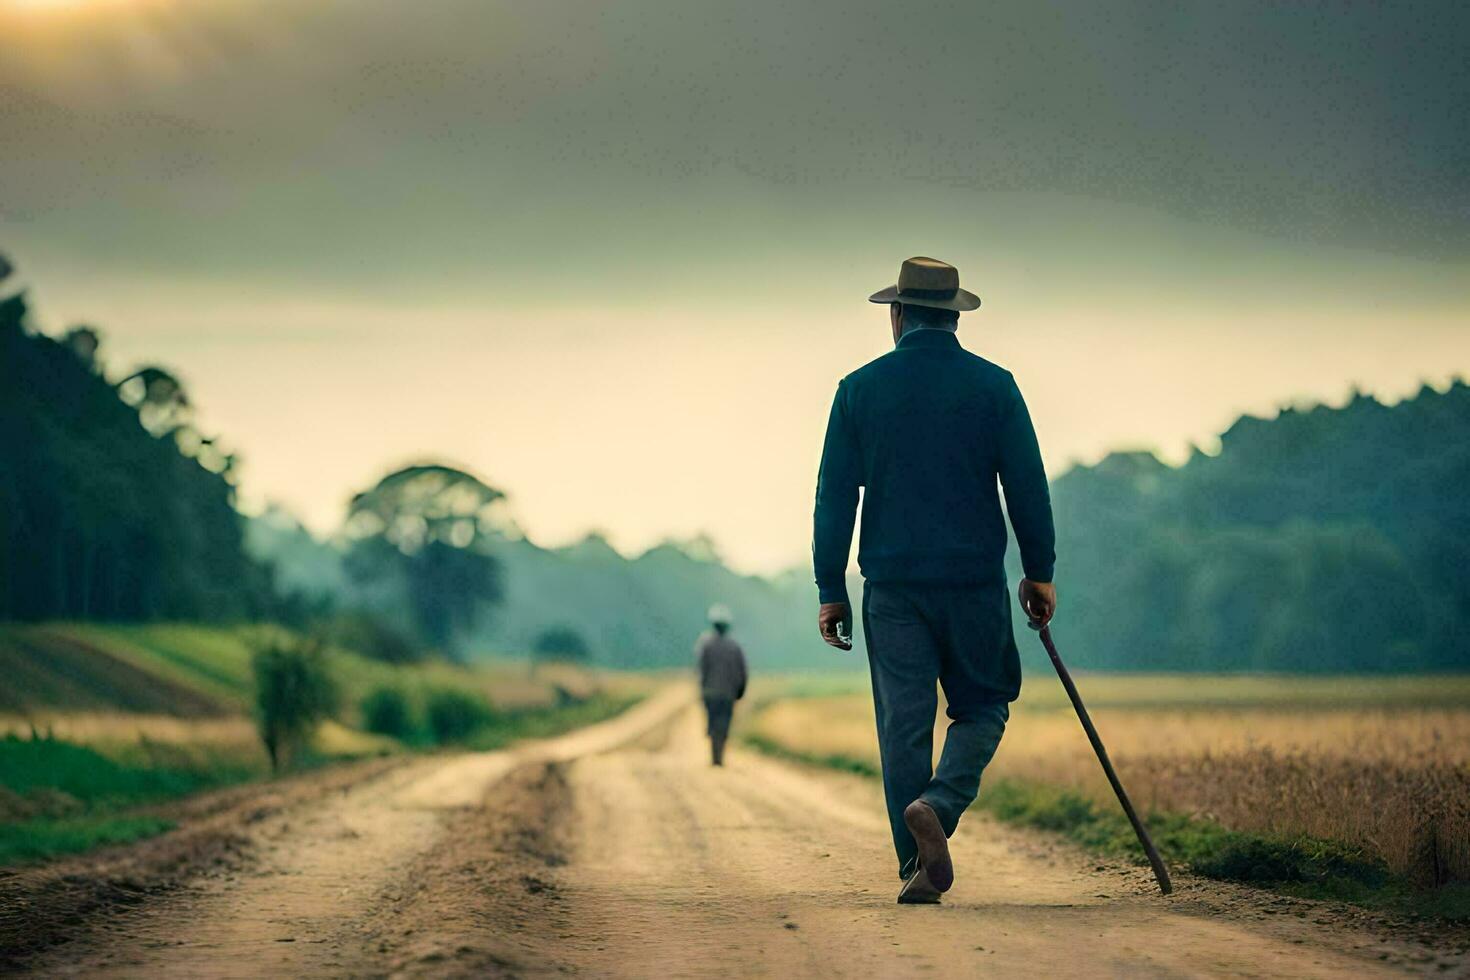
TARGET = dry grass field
(154,738)
(1379,762)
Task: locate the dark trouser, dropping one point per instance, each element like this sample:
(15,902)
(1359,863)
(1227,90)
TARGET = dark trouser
(719,711)
(961,637)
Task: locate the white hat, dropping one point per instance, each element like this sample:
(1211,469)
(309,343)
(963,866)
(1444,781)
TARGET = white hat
(720,613)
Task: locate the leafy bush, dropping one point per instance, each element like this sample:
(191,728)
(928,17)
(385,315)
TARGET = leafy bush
(385,711)
(294,693)
(454,715)
(372,637)
(561,643)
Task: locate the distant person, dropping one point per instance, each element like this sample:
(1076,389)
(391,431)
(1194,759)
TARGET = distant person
(722,678)
(928,429)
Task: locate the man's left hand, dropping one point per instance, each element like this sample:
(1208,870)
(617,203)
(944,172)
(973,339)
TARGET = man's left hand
(1039,600)
(830,617)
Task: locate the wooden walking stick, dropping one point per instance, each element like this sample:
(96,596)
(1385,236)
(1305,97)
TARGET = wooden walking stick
(1161,873)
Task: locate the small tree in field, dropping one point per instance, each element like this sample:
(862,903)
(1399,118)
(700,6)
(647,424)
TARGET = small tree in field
(294,693)
(424,533)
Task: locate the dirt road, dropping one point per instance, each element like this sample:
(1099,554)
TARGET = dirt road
(619,852)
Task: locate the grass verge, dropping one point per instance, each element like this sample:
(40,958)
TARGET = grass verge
(1301,866)
(843,763)
(36,840)
(60,798)
(53,776)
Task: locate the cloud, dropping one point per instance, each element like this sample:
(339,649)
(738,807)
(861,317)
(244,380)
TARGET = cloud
(352,141)
(482,223)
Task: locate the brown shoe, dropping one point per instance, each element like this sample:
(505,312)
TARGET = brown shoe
(918,890)
(923,823)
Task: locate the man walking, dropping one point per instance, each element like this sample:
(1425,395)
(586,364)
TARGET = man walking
(722,678)
(928,430)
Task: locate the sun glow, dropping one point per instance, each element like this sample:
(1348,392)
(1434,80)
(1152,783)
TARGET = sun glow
(86,53)
(44,7)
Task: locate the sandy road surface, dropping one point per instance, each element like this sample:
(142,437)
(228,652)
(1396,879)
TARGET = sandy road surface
(315,873)
(620,852)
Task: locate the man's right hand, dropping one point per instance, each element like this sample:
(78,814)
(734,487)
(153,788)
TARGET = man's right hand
(1039,600)
(829,616)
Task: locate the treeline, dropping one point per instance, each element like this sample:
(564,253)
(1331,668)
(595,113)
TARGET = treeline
(1326,539)
(112,505)
(584,601)
(646,611)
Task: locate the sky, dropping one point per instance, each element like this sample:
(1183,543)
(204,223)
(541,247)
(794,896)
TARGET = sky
(615,257)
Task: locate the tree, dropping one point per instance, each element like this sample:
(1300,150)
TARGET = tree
(453,714)
(294,693)
(421,533)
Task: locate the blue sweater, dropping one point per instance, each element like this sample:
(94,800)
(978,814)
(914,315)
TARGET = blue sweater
(928,429)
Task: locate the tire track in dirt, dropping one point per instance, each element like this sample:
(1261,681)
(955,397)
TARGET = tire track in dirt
(485,901)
